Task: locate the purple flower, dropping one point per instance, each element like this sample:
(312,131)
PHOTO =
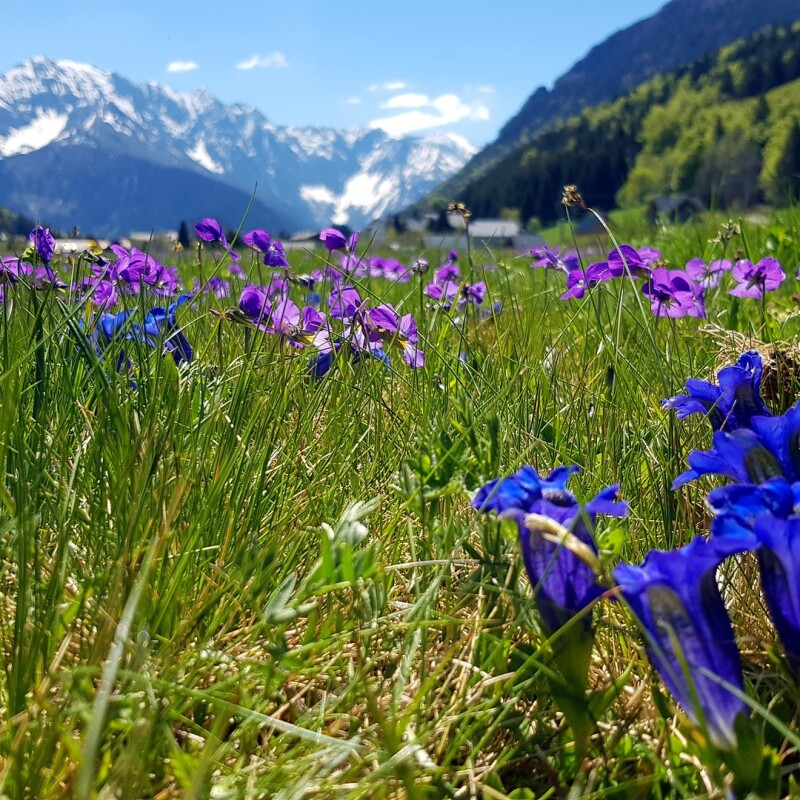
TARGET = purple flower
(672,294)
(209,230)
(552,259)
(219,287)
(730,404)
(649,255)
(707,275)
(473,294)
(578,282)
(255,304)
(278,286)
(45,278)
(299,329)
(44,243)
(443,291)
(275,256)
(407,336)
(449,271)
(333,239)
(11,268)
(626,260)
(383,324)
(344,302)
(237,272)
(756,279)
(258,240)
(690,640)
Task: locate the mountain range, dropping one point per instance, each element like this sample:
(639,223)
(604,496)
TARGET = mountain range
(80,146)
(681,32)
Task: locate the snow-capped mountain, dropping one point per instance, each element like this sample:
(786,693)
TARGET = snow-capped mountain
(71,134)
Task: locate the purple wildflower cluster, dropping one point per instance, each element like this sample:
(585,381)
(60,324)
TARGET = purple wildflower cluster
(671,292)
(448,288)
(351,326)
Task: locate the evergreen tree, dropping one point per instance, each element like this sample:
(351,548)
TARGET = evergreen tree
(183,235)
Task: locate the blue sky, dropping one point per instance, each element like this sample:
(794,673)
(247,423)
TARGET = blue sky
(407,66)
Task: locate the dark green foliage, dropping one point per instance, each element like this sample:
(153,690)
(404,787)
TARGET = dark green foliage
(14,224)
(785,183)
(183,235)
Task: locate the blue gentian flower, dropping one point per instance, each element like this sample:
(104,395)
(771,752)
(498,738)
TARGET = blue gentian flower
(731,403)
(690,640)
(748,501)
(564,583)
(779,564)
(161,324)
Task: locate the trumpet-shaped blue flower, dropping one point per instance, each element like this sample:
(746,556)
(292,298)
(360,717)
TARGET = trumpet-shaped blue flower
(729,404)
(739,455)
(689,637)
(768,449)
(764,518)
(779,564)
(564,583)
(162,325)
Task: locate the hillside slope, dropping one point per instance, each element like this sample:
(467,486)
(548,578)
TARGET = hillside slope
(681,32)
(720,128)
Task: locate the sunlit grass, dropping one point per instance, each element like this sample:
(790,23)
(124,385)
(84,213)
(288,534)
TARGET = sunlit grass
(232,580)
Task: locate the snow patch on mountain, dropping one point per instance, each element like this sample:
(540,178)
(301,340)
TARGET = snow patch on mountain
(317,194)
(45,128)
(200,154)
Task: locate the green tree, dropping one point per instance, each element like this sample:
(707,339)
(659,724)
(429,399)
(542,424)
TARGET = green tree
(782,178)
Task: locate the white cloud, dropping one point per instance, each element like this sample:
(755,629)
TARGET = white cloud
(182,66)
(389,86)
(353,101)
(275,59)
(446,109)
(409,100)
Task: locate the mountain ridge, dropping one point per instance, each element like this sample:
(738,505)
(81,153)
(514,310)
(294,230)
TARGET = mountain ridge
(306,176)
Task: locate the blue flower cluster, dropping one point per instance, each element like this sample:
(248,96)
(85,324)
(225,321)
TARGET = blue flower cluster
(674,594)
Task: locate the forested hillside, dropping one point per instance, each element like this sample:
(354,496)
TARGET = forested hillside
(679,33)
(13,224)
(725,128)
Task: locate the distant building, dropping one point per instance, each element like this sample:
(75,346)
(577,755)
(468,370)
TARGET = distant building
(69,246)
(491,233)
(302,240)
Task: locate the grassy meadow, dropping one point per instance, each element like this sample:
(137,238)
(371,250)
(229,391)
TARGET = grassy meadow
(229,578)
